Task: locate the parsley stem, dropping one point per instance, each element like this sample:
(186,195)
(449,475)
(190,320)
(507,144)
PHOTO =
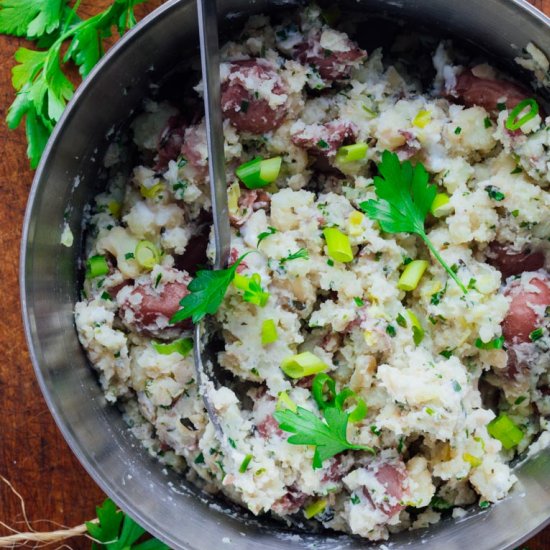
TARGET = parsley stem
(442,261)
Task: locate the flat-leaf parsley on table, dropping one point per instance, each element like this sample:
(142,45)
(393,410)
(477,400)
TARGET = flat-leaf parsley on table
(42,88)
(117,531)
(404,198)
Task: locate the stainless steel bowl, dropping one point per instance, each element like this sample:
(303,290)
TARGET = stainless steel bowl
(162,502)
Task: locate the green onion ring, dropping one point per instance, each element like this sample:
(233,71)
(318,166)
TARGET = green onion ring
(318,390)
(360,410)
(514,123)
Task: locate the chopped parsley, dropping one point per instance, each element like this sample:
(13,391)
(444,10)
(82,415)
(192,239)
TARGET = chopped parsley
(496,343)
(536,334)
(359,302)
(487,122)
(322,144)
(458,130)
(495,193)
(270,231)
(301,254)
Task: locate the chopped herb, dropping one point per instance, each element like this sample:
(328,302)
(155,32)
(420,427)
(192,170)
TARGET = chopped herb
(270,231)
(322,144)
(458,129)
(447,353)
(400,444)
(232,442)
(359,302)
(106,296)
(301,254)
(484,504)
(501,106)
(437,296)
(401,321)
(439,504)
(536,334)
(375,430)
(487,122)
(520,400)
(158,279)
(330,262)
(355,499)
(244,105)
(391,330)
(129,256)
(516,170)
(430,411)
(515,213)
(199,459)
(456,386)
(495,193)
(472,284)
(496,343)
(404,198)
(182,161)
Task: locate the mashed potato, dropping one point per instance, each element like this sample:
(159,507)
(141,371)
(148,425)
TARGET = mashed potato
(434,365)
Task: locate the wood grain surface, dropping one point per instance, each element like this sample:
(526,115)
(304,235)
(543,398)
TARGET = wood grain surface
(33,455)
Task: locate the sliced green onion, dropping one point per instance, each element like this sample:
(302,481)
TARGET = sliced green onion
(258,172)
(412,274)
(241,282)
(513,122)
(269,332)
(474,461)
(151,192)
(440,206)
(537,334)
(318,390)
(315,508)
(422,119)
(96,266)
(233,195)
(360,410)
(505,430)
(252,289)
(339,247)
(244,464)
(147,254)
(495,343)
(417,330)
(352,153)
(303,364)
(182,346)
(114,208)
(284,402)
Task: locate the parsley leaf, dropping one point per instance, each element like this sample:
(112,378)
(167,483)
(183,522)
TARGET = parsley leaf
(117,531)
(30,18)
(42,88)
(404,198)
(329,436)
(206,292)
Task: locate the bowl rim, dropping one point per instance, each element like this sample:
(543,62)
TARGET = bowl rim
(521,6)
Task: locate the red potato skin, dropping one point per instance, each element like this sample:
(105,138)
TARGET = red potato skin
(521,319)
(155,305)
(331,66)
(250,200)
(509,262)
(334,134)
(472,90)
(258,117)
(392,476)
(170,142)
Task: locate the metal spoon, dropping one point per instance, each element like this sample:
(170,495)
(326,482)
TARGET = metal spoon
(210,62)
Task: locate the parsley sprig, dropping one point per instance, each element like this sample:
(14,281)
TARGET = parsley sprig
(43,89)
(404,197)
(206,292)
(328,436)
(117,531)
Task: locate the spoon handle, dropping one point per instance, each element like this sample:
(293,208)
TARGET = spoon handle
(210,61)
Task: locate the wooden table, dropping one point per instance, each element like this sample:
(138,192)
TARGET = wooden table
(33,455)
